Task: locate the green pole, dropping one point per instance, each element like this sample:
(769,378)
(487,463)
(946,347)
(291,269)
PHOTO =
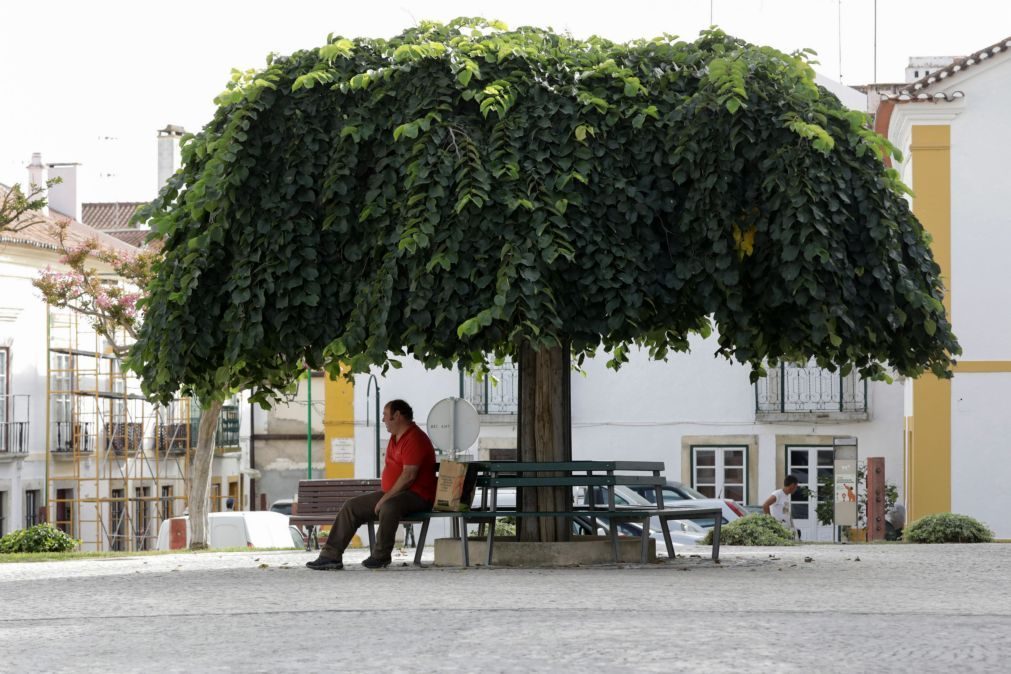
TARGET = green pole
(308,432)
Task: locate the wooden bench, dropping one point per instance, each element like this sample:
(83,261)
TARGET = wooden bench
(319,501)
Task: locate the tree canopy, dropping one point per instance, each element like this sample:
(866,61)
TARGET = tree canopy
(463,189)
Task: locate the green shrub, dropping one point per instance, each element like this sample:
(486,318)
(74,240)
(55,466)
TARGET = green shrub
(753,529)
(40,538)
(947,528)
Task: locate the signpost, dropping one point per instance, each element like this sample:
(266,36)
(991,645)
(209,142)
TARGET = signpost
(845,492)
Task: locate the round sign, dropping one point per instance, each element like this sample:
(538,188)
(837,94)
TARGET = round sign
(453,425)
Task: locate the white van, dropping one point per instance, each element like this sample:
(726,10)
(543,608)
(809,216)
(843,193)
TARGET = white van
(259,529)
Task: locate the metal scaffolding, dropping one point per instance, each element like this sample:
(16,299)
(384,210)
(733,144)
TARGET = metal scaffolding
(116,465)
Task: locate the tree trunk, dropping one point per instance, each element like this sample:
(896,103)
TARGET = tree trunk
(545,434)
(200,475)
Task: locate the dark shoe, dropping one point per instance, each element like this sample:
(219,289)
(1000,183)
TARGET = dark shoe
(322,563)
(373,563)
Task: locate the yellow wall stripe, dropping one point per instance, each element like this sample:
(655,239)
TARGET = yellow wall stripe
(929,466)
(983,366)
(338,428)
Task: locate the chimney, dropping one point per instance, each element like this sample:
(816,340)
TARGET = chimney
(37,178)
(65,197)
(168,152)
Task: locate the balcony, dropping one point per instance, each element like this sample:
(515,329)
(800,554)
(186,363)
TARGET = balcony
(495,393)
(122,438)
(227,435)
(175,438)
(71,436)
(809,393)
(14,424)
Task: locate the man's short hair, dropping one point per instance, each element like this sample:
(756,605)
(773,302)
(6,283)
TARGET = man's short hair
(788,480)
(402,407)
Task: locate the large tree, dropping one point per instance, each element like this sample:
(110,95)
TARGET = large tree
(115,312)
(464,190)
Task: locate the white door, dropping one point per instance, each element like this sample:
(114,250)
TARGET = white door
(810,464)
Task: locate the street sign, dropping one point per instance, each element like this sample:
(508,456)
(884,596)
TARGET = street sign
(453,425)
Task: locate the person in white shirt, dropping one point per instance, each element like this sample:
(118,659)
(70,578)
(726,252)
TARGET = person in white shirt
(778,505)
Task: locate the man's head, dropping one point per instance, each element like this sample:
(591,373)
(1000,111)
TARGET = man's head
(789,484)
(397,415)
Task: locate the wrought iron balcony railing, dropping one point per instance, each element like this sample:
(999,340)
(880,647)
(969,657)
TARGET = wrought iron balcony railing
(495,393)
(797,389)
(14,427)
(71,435)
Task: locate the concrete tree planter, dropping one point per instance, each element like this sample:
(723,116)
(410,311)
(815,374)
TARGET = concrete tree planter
(581,550)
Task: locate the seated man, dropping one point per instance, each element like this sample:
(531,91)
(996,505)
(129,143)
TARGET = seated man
(408,485)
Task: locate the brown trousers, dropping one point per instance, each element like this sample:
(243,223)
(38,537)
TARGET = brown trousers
(362,509)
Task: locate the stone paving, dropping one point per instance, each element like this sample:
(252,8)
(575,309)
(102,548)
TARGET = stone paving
(826,608)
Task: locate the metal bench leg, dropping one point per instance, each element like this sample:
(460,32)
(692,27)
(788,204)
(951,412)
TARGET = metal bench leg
(645,541)
(310,536)
(612,526)
(491,541)
(463,540)
(420,548)
(665,526)
(409,536)
(372,537)
(717,526)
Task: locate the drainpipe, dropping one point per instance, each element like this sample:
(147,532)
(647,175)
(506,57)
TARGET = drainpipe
(252,456)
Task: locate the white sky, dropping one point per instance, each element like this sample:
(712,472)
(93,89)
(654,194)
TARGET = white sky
(92,81)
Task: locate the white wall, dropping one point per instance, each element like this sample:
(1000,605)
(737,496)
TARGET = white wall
(981,447)
(642,411)
(981,221)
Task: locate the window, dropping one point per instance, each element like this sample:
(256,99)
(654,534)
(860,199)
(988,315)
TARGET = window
(3,503)
(117,519)
(4,398)
(215,505)
(166,502)
(793,389)
(65,511)
(31,507)
(62,411)
(496,392)
(721,472)
(142,517)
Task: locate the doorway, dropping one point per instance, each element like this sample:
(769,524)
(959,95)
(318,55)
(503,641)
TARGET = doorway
(810,464)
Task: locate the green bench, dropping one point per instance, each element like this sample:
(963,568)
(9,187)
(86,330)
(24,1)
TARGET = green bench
(605,474)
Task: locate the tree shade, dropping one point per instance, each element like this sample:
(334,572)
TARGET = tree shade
(464,189)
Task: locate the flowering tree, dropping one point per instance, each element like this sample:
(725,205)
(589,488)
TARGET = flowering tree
(116,313)
(19,209)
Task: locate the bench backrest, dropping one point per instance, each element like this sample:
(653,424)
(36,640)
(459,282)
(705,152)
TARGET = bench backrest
(327,496)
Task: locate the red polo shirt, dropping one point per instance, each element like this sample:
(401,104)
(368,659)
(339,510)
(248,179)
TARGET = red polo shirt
(412,449)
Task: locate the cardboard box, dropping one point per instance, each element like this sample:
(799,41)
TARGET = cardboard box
(455,489)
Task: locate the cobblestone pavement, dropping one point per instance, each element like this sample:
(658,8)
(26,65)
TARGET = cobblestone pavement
(826,608)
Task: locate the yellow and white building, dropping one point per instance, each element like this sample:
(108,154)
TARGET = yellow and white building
(953,127)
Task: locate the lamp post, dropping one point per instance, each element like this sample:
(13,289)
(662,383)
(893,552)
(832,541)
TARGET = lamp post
(372,378)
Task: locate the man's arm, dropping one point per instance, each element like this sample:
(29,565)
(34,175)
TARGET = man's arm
(768,504)
(406,479)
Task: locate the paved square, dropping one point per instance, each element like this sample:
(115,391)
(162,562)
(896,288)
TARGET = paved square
(850,608)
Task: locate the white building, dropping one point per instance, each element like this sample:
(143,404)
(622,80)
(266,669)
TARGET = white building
(954,128)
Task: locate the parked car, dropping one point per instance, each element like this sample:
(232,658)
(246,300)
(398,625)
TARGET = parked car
(674,492)
(282,506)
(682,532)
(233,530)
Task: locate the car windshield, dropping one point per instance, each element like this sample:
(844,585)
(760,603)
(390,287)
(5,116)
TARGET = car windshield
(685,491)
